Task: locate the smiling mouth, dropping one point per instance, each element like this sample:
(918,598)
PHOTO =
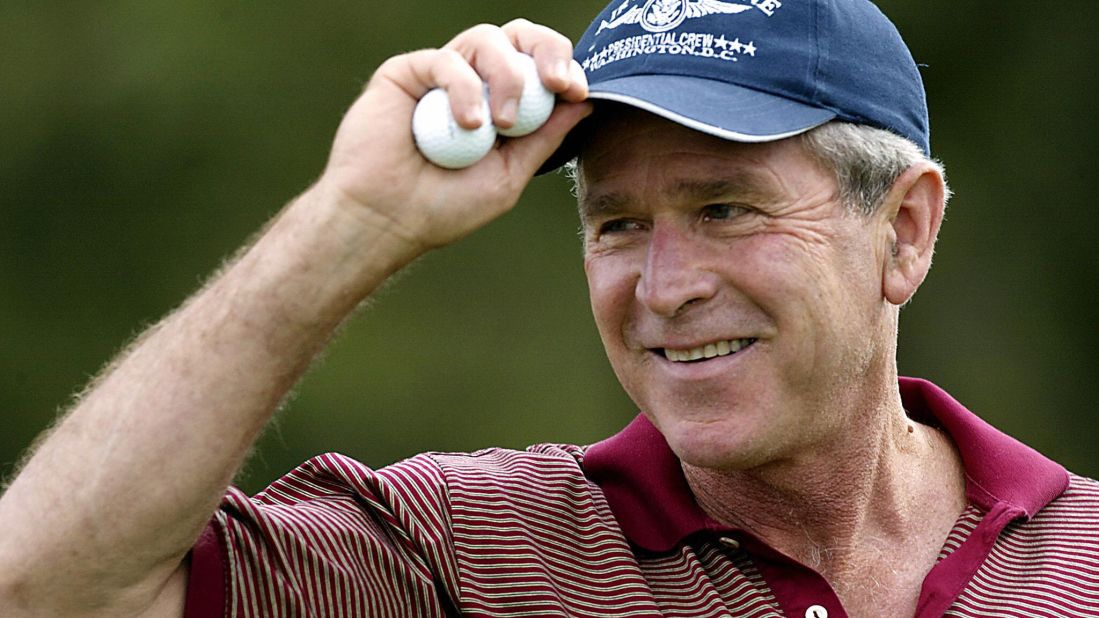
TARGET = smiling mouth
(706,352)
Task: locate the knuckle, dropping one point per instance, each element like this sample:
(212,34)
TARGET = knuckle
(449,56)
(394,65)
(541,36)
(484,31)
(518,23)
(393,62)
(557,43)
(563,41)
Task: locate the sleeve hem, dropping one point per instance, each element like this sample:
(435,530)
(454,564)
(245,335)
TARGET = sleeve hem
(206,587)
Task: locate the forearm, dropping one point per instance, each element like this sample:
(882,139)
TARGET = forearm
(148,451)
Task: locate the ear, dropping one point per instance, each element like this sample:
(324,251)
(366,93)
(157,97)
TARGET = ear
(912,212)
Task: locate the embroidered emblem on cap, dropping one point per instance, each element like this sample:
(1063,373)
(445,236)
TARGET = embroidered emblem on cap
(661,21)
(663,15)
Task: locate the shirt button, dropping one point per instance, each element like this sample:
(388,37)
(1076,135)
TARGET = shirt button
(730,542)
(816,611)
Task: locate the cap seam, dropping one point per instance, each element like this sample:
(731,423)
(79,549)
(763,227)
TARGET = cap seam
(815,98)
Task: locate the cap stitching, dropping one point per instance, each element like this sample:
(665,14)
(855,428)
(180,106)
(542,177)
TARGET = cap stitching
(815,16)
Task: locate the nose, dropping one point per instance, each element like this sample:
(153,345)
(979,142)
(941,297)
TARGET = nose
(675,274)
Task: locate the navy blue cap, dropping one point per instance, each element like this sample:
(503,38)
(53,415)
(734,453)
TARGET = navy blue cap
(754,70)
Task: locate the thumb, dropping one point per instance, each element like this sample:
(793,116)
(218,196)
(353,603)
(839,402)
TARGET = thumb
(525,155)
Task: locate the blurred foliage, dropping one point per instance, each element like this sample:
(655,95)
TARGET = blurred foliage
(144,141)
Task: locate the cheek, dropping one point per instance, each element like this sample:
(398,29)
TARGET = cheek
(778,273)
(828,297)
(853,286)
(799,286)
(815,271)
(610,289)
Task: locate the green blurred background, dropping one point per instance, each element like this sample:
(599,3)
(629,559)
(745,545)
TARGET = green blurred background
(144,141)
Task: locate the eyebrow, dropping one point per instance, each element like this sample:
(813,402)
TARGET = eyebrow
(739,185)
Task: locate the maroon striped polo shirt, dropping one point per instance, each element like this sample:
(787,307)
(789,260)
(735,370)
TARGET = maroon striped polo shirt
(613,530)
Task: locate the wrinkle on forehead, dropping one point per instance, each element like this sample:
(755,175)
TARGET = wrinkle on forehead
(636,162)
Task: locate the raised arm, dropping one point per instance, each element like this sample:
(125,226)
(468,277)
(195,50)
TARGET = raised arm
(101,516)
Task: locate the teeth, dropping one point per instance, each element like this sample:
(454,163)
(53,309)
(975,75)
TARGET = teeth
(710,350)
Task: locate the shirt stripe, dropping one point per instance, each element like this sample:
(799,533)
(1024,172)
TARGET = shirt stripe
(525,533)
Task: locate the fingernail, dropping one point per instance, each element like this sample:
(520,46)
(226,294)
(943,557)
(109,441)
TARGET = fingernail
(561,70)
(471,115)
(578,75)
(509,111)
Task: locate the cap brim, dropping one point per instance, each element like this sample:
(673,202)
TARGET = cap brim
(713,107)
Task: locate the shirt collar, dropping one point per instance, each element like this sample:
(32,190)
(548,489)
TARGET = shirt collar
(650,498)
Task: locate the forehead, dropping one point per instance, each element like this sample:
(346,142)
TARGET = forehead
(633,155)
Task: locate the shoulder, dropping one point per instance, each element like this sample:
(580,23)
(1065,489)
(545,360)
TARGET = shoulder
(537,460)
(431,474)
(1064,535)
(1075,509)
(542,483)
(533,513)
(1047,565)
(540,469)
(439,490)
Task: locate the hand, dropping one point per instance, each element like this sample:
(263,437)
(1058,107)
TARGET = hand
(375,167)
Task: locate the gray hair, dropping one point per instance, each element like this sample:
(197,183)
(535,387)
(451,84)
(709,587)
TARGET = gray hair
(865,161)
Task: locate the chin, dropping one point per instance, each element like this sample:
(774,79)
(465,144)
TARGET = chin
(719,445)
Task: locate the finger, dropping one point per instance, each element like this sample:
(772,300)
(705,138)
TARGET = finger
(552,51)
(578,88)
(447,69)
(523,156)
(493,55)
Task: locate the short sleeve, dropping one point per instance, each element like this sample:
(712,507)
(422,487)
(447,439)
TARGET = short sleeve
(331,538)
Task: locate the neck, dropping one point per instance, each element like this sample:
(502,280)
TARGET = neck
(892,483)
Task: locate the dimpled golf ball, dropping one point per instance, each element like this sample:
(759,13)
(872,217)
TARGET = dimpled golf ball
(535,104)
(442,141)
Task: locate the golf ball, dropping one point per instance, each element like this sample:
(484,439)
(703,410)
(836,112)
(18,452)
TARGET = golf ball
(442,141)
(448,145)
(535,104)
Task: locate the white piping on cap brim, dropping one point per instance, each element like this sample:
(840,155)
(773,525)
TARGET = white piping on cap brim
(702,127)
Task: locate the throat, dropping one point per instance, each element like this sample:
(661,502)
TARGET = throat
(845,516)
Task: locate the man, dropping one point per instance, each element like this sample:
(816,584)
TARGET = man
(757,200)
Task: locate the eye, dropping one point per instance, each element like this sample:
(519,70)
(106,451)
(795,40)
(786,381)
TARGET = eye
(619,225)
(721,212)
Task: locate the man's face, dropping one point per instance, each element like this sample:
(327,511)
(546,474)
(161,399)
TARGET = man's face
(739,252)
